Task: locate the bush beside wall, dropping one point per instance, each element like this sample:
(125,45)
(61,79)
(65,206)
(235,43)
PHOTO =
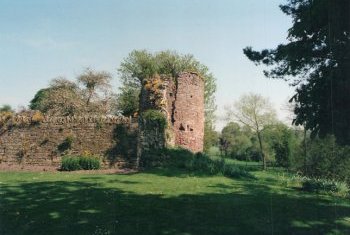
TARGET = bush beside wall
(73,163)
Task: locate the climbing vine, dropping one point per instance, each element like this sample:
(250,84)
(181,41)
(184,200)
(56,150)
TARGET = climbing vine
(154,119)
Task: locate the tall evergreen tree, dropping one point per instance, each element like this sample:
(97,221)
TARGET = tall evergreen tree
(316,60)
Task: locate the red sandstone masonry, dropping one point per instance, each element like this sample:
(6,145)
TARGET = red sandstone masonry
(24,140)
(183,105)
(28,143)
(188,120)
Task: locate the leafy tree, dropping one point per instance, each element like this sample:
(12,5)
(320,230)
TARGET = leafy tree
(63,97)
(128,100)
(94,82)
(283,142)
(141,64)
(236,141)
(37,102)
(90,93)
(227,138)
(327,159)
(255,112)
(6,108)
(315,61)
(211,138)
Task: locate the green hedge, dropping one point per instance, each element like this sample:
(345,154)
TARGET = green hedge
(73,163)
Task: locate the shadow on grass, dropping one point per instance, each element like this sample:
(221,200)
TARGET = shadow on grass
(184,173)
(103,179)
(61,207)
(181,163)
(175,172)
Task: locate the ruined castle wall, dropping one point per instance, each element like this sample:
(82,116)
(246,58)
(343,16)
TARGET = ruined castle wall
(43,143)
(42,140)
(181,100)
(188,109)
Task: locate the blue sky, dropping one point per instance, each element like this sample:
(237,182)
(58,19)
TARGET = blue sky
(43,39)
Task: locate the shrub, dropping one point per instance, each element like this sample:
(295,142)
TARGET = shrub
(66,144)
(73,163)
(37,117)
(89,163)
(315,185)
(327,160)
(252,154)
(4,117)
(234,171)
(154,119)
(70,163)
(325,186)
(204,163)
(199,162)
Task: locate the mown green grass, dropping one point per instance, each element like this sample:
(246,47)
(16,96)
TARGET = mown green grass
(164,202)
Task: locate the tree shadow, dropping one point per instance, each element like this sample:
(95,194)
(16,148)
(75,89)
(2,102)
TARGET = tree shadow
(184,173)
(175,172)
(179,162)
(62,207)
(119,181)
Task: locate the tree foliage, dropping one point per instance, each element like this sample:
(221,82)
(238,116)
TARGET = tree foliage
(141,64)
(6,108)
(94,83)
(255,112)
(128,100)
(90,93)
(37,102)
(237,142)
(211,137)
(326,159)
(283,142)
(316,61)
(63,97)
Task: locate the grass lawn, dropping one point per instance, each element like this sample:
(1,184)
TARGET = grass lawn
(163,202)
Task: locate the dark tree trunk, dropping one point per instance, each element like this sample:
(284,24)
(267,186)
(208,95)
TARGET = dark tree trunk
(262,151)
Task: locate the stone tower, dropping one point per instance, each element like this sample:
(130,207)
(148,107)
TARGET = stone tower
(181,99)
(187,111)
